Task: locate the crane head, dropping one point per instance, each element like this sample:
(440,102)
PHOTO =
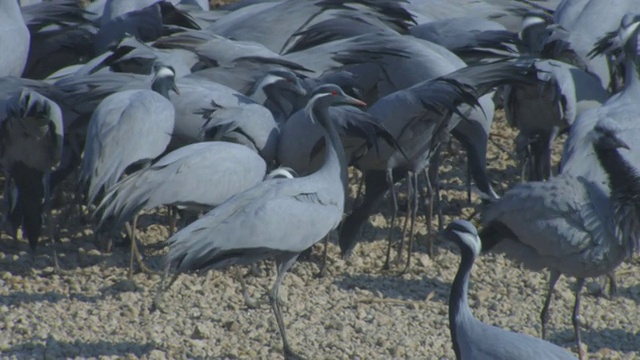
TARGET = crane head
(465,235)
(606,135)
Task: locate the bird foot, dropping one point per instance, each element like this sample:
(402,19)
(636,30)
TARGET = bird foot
(144,269)
(404,271)
(141,265)
(290,355)
(387,264)
(322,273)
(56,266)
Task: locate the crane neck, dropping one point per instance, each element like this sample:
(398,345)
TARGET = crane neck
(632,74)
(624,183)
(10,9)
(162,85)
(459,311)
(258,92)
(335,162)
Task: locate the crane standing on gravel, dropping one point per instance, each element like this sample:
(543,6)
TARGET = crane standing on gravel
(473,339)
(568,224)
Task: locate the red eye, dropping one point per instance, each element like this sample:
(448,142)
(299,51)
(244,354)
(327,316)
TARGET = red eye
(334,93)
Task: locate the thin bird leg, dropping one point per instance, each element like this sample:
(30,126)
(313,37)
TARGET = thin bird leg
(434,181)
(250,303)
(282,265)
(135,254)
(523,170)
(431,194)
(56,266)
(160,290)
(360,186)
(394,199)
(414,210)
(323,267)
(46,209)
(613,286)
(132,238)
(544,314)
(172,214)
(575,319)
(547,159)
(405,223)
(468,180)
(408,214)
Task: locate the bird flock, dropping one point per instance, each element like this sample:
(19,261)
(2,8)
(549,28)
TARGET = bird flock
(245,120)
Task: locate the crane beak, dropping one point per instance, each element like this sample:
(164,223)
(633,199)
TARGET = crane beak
(355,102)
(299,88)
(621,144)
(175,89)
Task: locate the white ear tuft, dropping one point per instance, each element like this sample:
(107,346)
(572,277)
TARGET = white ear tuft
(472,241)
(532,20)
(165,72)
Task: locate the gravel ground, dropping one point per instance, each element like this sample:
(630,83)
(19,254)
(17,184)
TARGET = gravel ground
(357,312)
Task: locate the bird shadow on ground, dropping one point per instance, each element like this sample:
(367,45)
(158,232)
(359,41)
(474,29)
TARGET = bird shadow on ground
(20,262)
(394,287)
(51,348)
(631,292)
(617,340)
(17,298)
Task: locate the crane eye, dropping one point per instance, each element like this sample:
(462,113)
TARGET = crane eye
(334,93)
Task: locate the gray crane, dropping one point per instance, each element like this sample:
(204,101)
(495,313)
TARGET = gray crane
(263,23)
(31,135)
(206,110)
(196,177)
(134,56)
(579,158)
(146,24)
(278,218)
(584,22)
(421,128)
(400,62)
(14,37)
(128,128)
(472,339)
(568,224)
(542,111)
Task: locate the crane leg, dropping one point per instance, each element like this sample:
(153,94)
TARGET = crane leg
(405,225)
(46,210)
(613,286)
(430,213)
(282,265)
(547,159)
(408,214)
(161,288)
(468,180)
(360,186)
(414,210)
(544,314)
(172,214)
(323,268)
(132,238)
(135,254)
(248,301)
(575,319)
(394,199)
(434,182)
